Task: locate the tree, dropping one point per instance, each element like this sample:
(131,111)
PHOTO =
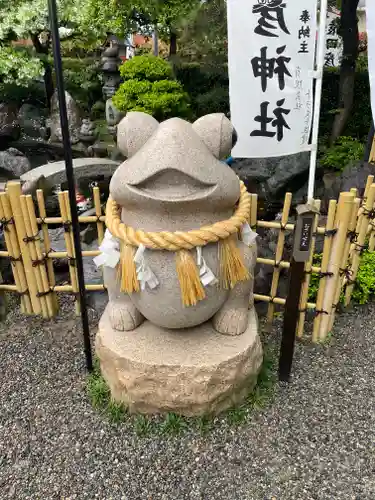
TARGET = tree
(204,34)
(28,19)
(348,29)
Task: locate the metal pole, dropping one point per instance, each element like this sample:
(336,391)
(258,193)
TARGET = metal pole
(318,97)
(70,177)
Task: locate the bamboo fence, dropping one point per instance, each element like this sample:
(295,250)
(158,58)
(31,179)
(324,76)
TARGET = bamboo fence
(349,231)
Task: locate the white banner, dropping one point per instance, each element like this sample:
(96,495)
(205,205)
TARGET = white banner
(271,45)
(334,43)
(370,20)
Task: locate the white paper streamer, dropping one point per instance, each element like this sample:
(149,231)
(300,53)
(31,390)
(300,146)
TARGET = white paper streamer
(207,277)
(110,249)
(144,273)
(248,235)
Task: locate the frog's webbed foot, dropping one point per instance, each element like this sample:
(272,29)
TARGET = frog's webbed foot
(124,316)
(231,320)
(233,317)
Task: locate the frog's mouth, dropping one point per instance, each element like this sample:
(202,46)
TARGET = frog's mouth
(171,185)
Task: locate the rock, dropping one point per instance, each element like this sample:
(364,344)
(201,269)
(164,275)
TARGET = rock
(32,186)
(31,120)
(194,372)
(74,119)
(88,168)
(271,178)
(14,162)
(112,114)
(9,125)
(354,175)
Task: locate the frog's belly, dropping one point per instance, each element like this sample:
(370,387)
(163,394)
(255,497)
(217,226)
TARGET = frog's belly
(163,305)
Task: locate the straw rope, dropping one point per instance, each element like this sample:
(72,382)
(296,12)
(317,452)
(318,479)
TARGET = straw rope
(179,240)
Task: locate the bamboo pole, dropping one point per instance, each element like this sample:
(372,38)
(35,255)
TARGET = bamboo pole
(75,283)
(11,242)
(4,254)
(324,268)
(372,152)
(47,249)
(34,256)
(284,264)
(41,258)
(9,288)
(84,219)
(345,257)
(253,210)
(362,232)
(343,215)
(278,256)
(15,193)
(278,300)
(98,212)
(308,271)
(68,242)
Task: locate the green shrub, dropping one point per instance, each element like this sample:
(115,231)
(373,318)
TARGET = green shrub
(149,86)
(146,67)
(344,151)
(314,279)
(364,288)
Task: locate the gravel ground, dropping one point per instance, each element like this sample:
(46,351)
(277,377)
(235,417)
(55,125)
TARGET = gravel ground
(316,440)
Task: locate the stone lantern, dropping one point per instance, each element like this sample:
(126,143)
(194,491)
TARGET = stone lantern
(112,78)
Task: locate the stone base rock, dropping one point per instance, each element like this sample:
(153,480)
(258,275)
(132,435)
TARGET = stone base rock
(191,372)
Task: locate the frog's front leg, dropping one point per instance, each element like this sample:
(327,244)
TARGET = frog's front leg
(232,318)
(123,314)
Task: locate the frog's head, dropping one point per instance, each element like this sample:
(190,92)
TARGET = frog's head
(175,163)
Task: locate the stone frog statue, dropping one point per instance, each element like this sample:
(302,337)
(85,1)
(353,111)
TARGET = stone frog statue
(173,180)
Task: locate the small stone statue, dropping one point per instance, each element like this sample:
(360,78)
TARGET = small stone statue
(179,214)
(88,132)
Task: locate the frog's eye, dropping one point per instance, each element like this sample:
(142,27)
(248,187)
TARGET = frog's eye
(133,131)
(217,132)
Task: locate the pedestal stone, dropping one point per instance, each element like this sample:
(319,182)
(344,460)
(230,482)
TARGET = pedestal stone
(192,371)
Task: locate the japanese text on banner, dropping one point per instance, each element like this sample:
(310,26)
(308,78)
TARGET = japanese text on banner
(271,45)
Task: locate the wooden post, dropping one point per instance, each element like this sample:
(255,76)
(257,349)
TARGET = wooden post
(343,214)
(98,212)
(345,258)
(46,289)
(11,241)
(253,211)
(324,268)
(34,257)
(359,245)
(307,277)
(15,193)
(278,256)
(68,243)
(47,248)
(306,221)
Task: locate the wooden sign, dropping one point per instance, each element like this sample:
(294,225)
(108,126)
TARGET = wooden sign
(303,232)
